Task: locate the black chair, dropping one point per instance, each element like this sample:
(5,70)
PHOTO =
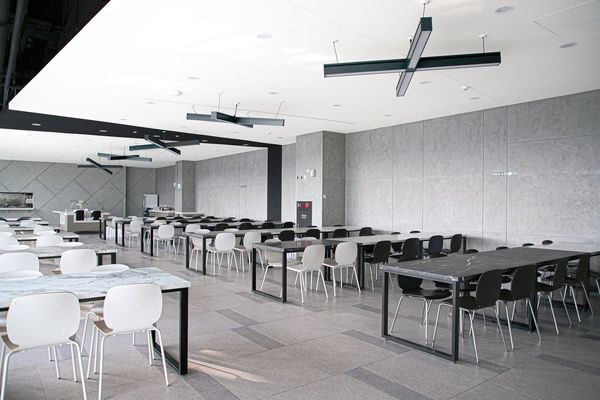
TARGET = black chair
(288,224)
(396,246)
(501,248)
(312,232)
(267,225)
(527,244)
(96,214)
(161,218)
(455,244)
(555,283)
(581,278)
(523,285)
(471,251)
(411,250)
(415,231)
(547,242)
(381,253)
(221,226)
(79,215)
(245,220)
(340,233)
(365,231)
(287,235)
(20,218)
(4,219)
(486,295)
(436,242)
(229,219)
(411,287)
(205,221)
(211,217)
(246,226)
(338,225)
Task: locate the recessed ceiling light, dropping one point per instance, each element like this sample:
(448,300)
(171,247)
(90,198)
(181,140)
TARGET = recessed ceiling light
(245,144)
(336,105)
(123,119)
(134,131)
(193,78)
(150,102)
(387,115)
(424,82)
(568,45)
(273,93)
(156,135)
(204,141)
(264,36)
(464,87)
(504,9)
(102,130)
(474,98)
(36,124)
(279,137)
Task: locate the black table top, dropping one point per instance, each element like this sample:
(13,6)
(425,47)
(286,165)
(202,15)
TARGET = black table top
(293,246)
(464,266)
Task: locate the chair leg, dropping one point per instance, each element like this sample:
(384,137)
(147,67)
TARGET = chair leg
(472,332)
(92,352)
(265,277)
(499,325)
(302,285)
(101,367)
(512,344)
(333,277)
(575,303)
(372,281)
(437,317)
(356,276)
(79,351)
(323,280)
(55,353)
(396,313)
(149,343)
(565,307)
(512,318)
(537,328)
(85,324)
(587,297)
(554,316)
(162,355)
(73,363)
(4,374)
(426,321)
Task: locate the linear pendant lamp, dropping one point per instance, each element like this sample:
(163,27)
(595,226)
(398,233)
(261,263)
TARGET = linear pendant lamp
(414,62)
(159,144)
(248,122)
(94,164)
(119,157)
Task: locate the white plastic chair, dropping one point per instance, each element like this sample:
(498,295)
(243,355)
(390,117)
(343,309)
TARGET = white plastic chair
(19,276)
(224,245)
(133,230)
(42,229)
(3,223)
(165,234)
(109,268)
(312,260)
(188,228)
(57,313)
(48,240)
(249,239)
(27,223)
(19,262)
(6,229)
(78,261)
(197,245)
(345,256)
(274,260)
(8,241)
(129,309)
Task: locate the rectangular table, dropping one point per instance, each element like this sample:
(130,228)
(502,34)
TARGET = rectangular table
(93,287)
(458,269)
(31,237)
(51,252)
(18,223)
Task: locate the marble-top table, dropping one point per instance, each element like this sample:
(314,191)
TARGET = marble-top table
(16,219)
(458,269)
(17,229)
(49,252)
(31,237)
(93,287)
(18,223)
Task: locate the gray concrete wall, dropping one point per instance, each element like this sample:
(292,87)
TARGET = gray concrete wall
(56,185)
(288,183)
(185,193)
(165,177)
(334,178)
(234,185)
(140,181)
(309,155)
(439,174)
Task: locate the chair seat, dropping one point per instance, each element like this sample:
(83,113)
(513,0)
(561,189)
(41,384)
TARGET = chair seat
(428,294)
(241,247)
(506,296)
(543,287)
(280,265)
(331,263)
(299,267)
(466,302)
(570,281)
(463,287)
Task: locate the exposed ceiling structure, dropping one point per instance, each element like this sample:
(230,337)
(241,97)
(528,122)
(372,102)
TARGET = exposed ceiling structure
(148,63)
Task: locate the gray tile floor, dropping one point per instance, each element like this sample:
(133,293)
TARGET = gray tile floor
(243,346)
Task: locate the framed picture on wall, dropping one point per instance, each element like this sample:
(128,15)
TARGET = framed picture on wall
(16,201)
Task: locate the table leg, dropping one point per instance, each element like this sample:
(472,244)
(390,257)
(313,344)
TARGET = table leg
(142,235)
(464,244)
(116,233)
(284,278)
(360,264)
(253,269)
(113,258)
(455,322)
(384,303)
(100,258)
(420,249)
(533,301)
(123,234)
(203,255)
(181,365)
(151,241)
(187,252)
(100,229)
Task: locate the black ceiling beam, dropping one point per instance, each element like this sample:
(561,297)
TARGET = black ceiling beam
(23,120)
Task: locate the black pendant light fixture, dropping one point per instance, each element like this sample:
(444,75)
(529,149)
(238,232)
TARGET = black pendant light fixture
(155,143)
(248,122)
(122,157)
(94,164)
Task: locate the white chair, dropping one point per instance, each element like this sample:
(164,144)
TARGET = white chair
(8,241)
(19,262)
(6,233)
(197,245)
(49,240)
(3,223)
(224,245)
(129,309)
(109,268)
(27,223)
(312,260)
(133,230)
(231,230)
(165,234)
(274,260)
(110,227)
(42,320)
(189,228)
(345,256)
(6,228)
(78,261)
(250,238)
(42,229)
(19,276)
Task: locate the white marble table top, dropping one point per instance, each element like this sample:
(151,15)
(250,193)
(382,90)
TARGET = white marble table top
(88,285)
(31,237)
(17,223)
(56,251)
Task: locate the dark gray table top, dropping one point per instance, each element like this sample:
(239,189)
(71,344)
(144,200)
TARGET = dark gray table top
(275,231)
(294,246)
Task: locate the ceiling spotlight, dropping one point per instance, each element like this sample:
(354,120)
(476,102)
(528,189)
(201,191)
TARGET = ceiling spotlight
(36,124)
(474,98)
(568,45)
(193,78)
(102,130)
(264,36)
(336,105)
(134,131)
(268,133)
(204,141)
(387,115)
(465,87)
(273,93)
(504,10)
(150,102)
(424,82)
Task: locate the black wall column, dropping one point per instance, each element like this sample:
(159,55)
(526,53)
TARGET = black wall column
(274,183)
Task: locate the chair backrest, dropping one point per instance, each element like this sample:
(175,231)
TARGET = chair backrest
(78,261)
(435,245)
(23,218)
(230,219)
(438,255)
(273,256)
(205,221)
(246,226)
(79,215)
(231,230)
(340,233)
(345,253)
(288,224)
(5,233)
(48,240)
(471,251)
(159,222)
(527,244)
(135,226)
(19,261)
(8,241)
(488,288)
(42,319)
(96,214)
(27,223)
(415,231)
(267,225)
(221,226)
(547,242)
(287,235)
(166,232)
(132,307)
(2,219)
(196,241)
(314,232)
(245,220)
(20,275)
(365,231)
(42,228)
(583,269)
(313,256)
(250,238)
(560,274)
(381,251)
(411,249)
(408,282)
(523,282)
(501,248)
(192,227)
(456,243)
(225,241)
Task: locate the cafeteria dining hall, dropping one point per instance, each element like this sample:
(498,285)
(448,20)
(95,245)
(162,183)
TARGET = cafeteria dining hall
(299,199)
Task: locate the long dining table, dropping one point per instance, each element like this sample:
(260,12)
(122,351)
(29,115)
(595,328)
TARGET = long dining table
(54,252)
(458,269)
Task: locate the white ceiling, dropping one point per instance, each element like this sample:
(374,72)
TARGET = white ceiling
(181,54)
